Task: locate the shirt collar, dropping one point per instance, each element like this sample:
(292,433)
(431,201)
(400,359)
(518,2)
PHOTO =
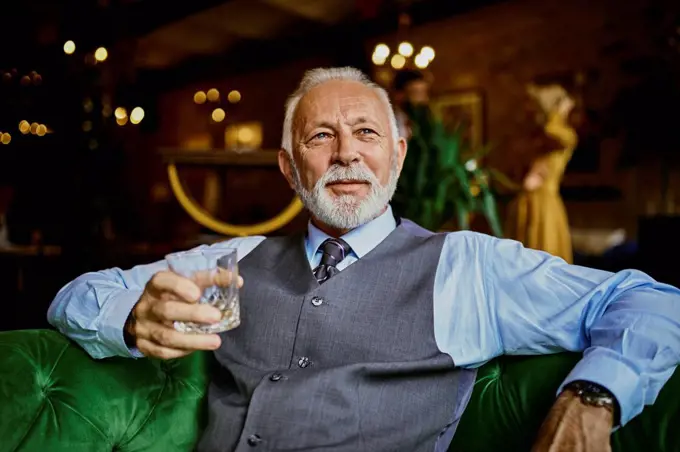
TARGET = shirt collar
(362,239)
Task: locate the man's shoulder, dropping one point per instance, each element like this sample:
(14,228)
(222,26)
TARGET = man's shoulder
(471,244)
(461,245)
(469,236)
(450,236)
(472,240)
(415,229)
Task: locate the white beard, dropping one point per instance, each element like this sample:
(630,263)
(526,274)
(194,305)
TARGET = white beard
(347,212)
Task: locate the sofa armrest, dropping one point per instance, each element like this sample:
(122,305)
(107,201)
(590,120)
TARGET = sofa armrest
(54,397)
(513,395)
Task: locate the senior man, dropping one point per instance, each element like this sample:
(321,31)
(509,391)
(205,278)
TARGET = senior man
(363,334)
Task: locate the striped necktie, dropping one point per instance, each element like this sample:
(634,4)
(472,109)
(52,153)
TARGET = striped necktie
(334,251)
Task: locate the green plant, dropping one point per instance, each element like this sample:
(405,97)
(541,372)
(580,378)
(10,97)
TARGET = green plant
(441,179)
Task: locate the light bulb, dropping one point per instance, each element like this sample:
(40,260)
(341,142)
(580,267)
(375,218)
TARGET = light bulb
(398,61)
(69,47)
(213,95)
(378,59)
(218,115)
(136,115)
(381,51)
(234,97)
(421,61)
(427,52)
(200,97)
(101,54)
(406,49)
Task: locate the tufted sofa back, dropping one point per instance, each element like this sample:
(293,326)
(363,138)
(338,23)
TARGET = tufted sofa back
(53,397)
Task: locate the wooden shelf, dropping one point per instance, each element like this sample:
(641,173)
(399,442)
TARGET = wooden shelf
(219,157)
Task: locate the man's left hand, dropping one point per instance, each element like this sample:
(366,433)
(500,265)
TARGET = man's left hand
(573,426)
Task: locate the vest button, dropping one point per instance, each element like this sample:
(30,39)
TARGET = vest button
(317,301)
(254,440)
(303,362)
(276,377)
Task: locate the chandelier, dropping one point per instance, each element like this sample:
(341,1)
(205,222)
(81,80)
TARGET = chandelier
(403,56)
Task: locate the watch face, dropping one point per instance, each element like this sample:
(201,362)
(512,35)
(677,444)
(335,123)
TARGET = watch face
(592,394)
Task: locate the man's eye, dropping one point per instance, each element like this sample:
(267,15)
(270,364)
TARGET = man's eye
(366,131)
(320,136)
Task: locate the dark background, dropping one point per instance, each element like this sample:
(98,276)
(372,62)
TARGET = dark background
(82,198)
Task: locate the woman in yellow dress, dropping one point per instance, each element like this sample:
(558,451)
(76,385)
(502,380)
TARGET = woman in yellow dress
(537,216)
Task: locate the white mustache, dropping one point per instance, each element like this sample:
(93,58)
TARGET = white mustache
(357,173)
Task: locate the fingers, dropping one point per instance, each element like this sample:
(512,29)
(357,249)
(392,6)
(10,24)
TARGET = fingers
(180,311)
(168,337)
(169,282)
(149,349)
(223,277)
(218,277)
(168,298)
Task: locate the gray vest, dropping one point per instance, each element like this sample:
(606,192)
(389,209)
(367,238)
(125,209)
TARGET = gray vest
(347,366)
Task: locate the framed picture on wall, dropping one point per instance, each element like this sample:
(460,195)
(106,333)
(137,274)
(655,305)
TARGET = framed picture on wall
(462,109)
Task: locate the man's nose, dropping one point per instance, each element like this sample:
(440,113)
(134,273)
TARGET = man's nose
(347,151)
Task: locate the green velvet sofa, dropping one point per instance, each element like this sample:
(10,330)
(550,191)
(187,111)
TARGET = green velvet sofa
(54,397)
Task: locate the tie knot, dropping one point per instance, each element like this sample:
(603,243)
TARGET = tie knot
(334,251)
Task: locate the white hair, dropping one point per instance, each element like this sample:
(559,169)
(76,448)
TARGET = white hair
(346,211)
(319,76)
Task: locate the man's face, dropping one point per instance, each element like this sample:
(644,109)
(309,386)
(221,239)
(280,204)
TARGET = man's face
(346,161)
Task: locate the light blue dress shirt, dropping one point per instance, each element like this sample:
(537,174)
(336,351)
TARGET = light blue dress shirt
(491,297)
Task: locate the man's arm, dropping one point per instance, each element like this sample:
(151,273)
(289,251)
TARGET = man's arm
(627,324)
(92,309)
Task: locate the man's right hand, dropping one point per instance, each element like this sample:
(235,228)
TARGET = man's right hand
(167,298)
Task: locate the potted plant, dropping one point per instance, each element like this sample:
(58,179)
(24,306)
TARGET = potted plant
(442,179)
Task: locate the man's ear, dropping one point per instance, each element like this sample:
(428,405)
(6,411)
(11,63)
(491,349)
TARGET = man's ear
(286,167)
(402,149)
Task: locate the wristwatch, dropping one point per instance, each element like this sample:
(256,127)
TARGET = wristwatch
(595,395)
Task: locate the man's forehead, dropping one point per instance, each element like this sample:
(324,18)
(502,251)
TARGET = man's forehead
(346,104)
(331,98)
